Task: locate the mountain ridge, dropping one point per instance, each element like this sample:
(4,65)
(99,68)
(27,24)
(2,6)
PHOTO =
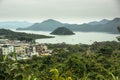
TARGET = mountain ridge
(14,24)
(108,26)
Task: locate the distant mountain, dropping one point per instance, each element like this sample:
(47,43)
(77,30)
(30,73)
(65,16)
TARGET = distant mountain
(104,21)
(14,24)
(62,31)
(108,26)
(47,25)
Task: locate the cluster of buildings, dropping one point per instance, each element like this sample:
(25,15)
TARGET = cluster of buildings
(23,49)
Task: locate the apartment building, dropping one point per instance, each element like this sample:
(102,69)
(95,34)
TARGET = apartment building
(6,49)
(20,49)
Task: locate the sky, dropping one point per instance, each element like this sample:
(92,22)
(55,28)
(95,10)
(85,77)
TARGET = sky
(68,11)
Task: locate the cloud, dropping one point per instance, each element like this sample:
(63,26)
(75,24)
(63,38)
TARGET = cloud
(73,9)
(118,3)
(1,1)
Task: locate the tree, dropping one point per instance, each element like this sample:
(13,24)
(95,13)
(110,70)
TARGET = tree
(119,31)
(118,28)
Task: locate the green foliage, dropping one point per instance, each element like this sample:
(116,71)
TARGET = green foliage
(56,76)
(62,31)
(21,36)
(106,51)
(118,28)
(119,31)
(67,62)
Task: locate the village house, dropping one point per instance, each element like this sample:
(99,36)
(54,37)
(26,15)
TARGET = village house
(20,49)
(31,50)
(42,49)
(23,50)
(6,49)
(4,41)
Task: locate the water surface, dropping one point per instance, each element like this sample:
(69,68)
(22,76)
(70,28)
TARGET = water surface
(79,37)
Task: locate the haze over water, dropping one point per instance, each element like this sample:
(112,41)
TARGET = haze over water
(79,37)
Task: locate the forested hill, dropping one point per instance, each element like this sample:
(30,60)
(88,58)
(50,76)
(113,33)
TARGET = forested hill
(5,33)
(62,31)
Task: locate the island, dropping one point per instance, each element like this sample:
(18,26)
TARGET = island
(11,35)
(62,31)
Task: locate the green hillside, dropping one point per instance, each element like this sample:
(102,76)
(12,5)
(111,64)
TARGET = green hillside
(8,34)
(62,31)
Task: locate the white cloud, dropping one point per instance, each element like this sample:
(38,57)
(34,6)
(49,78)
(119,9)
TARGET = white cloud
(65,9)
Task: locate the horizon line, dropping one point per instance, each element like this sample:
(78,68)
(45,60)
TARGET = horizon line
(81,21)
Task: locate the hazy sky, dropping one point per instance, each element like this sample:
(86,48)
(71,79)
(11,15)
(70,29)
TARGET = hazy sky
(72,11)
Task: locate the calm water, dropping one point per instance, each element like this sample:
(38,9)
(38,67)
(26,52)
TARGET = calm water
(79,37)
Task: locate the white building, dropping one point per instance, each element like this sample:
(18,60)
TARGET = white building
(6,49)
(4,41)
(31,50)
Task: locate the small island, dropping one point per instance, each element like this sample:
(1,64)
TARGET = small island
(62,31)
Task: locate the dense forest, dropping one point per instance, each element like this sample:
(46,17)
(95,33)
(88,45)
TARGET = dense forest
(62,31)
(8,34)
(99,61)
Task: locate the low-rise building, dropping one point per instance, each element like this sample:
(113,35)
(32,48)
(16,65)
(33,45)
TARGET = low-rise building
(41,49)
(17,49)
(31,50)
(20,49)
(4,41)
(6,49)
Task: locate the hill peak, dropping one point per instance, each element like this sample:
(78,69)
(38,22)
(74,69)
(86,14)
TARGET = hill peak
(116,19)
(50,21)
(62,31)
(104,21)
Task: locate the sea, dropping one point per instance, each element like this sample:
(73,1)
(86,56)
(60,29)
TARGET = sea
(78,38)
